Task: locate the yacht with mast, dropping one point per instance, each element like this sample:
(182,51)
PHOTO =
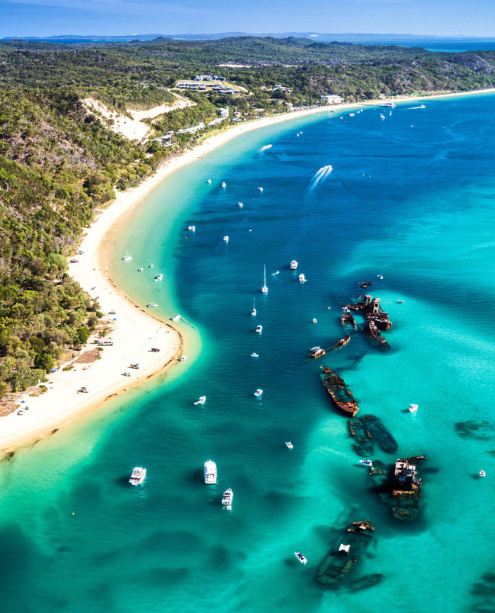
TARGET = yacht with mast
(264,289)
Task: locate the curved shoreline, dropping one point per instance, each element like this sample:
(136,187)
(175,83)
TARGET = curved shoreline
(61,404)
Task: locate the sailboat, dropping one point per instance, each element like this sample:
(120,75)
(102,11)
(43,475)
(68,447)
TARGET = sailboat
(264,289)
(253,312)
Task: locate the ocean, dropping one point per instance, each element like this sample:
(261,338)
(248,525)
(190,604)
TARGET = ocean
(409,197)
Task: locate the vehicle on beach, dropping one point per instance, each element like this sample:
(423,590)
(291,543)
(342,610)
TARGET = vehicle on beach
(138,476)
(210,472)
(83,390)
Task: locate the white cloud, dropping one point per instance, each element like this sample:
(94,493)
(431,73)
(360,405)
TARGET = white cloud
(114,6)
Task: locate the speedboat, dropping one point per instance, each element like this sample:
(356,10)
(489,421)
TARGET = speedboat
(315,321)
(366,463)
(260,188)
(302,278)
(159,277)
(150,266)
(293,265)
(300,557)
(176,318)
(151,305)
(258,393)
(202,400)
(400,301)
(224,184)
(210,472)
(379,276)
(225,239)
(183,358)
(140,269)
(413,408)
(264,289)
(351,114)
(138,476)
(227,499)
(289,445)
(382,116)
(209,181)
(482,473)
(259,329)
(255,355)
(191,228)
(253,312)
(127,257)
(240,205)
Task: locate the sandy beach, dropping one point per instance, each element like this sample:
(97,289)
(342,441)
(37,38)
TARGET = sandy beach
(104,378)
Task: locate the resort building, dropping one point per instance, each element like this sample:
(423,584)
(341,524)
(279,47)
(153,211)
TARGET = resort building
(332,99)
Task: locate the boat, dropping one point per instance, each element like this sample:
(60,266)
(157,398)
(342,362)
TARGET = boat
(390,105)
(183,358)
(138,476)
(413,408)
(300,557)
(225,239)
(253,312)
(260,188)
(362,442)
(224,184)
(150,266)
(350,546)
(366,463)
(228,495)
(127,257)
(140,269)
(406,489)
(240,205)
(210,470)
(382,116)
(315,321)
(191,228)
(289,445)
(351,114)
(159,277)
(293,265)
(302,278)
(259,329)
(347,319)
(482,473)
(316,352)
(365,284)
(258,393)
(379,433)
(176,318)
(363,583)
(264,289)
(342,343)
(209,181)
(339,393)
(202,400)
(371,309)
(255,355)
(151,305)
(373,335)
(400,301)
(379,277)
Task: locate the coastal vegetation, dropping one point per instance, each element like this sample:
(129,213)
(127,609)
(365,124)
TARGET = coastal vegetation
(59,162)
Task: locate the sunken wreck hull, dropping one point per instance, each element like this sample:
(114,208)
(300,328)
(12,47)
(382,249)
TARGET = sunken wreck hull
(347,319)
(337,564)
(340,395)
(374,337)
(379,434)
(342,343)
(361,438)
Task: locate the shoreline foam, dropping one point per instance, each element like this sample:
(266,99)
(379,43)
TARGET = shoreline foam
(61,404)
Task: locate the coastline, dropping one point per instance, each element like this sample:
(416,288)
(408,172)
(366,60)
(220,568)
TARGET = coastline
(61,404)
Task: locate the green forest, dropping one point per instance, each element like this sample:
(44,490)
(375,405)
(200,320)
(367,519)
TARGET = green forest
(59,162)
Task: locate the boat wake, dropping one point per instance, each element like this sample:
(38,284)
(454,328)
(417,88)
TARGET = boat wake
(320,176)
(265,148)
(411,108)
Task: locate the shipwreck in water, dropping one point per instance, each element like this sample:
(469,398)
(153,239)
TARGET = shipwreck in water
(339,392)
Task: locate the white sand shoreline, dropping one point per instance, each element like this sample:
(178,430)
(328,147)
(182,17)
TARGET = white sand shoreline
(61,404)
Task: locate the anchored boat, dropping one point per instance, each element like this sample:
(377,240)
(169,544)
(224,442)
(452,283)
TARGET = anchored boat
(138,476)
(210,470)
(228,495)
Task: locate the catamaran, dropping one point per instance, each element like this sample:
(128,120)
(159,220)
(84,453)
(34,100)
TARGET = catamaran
(253,312)
(264,289)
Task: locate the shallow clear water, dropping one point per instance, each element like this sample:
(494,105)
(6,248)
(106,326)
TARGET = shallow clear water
(411,198)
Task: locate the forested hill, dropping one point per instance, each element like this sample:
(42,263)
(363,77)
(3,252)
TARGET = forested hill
(59,161)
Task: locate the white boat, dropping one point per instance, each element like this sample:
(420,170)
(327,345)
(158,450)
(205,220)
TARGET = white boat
(255,355)
(289,445)
(382,116)
(300,557)
(260,188)
(159,277)
(302,278)
(140,269)
(400,301)
(176,318)
(274,274)
(351,114)
(315,321)
(259,329)
(209,181)
(210,472)
(258,393)
(225,239)
(389,105)
(379,277)
(253,312)
(183,358)
(264,289)
(202,400)
(240,205)
(151,305)
(150,266)
(413,408)
(228,495)
(366,462)
(138,476)
(293,265)
(224,184)
(191,228)
(127,257)
(482,473)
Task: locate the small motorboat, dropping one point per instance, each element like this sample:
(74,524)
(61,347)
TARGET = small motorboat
(240,205)
(289,445)
(258,393)
(151,305)
(255,355)
(210,471)
(300,557)
(183,358)
(253,312)
(140,269)
(176,318)
(482,473)
(366,463)
(159,277)
(209,181)
(225,239)
(379,277)
(228,495)
(138,476)
(259,329)
(150,266)
(224,184)
(260,188)
(400,301)
(382,116)
(127,257)
(264,289)
(302,278)
(277,272)
(202,400)
(315,321)
(293,265)
(413,408)
(191,228)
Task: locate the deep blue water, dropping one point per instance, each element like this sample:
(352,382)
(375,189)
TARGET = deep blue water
(410,197)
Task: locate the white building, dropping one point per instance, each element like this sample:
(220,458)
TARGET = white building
(332,99)
(224,112)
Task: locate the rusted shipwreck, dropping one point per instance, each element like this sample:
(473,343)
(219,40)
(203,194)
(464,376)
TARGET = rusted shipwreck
(339,393)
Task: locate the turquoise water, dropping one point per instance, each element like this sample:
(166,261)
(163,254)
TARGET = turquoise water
(411,198)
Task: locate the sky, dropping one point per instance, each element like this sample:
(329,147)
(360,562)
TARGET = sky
(124,17)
